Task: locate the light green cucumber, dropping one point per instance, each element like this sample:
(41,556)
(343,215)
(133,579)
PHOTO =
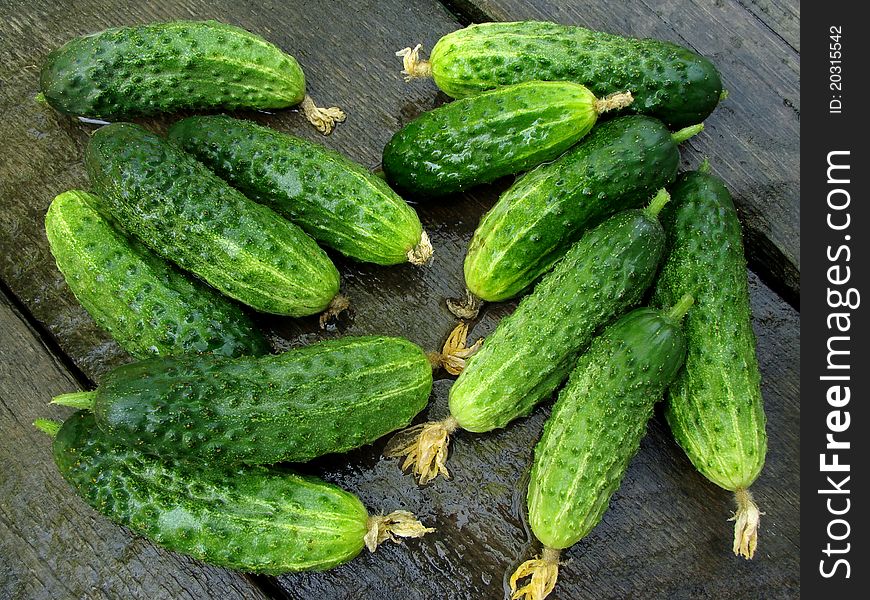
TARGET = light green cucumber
(595,428)
(668,81)
(501,132)
(532,351)
(715,408)
(169,201)
(147,306)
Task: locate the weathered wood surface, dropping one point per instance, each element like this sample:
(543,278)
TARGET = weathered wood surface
(665,535)
(753,138)
(52,545)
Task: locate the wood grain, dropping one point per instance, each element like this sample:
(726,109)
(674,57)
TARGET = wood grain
(782,17)
(753,138)
(52,545)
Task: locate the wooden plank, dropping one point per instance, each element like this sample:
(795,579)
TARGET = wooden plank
(52,545)
(666,534)
(753,138)
(783,17)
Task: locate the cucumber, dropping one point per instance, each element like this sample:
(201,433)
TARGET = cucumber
(501,132)
(715,408)
(594,430)
(335,200)
(618,166)
(173,204)
(257,520)
(179,65)
(668,81)
(532,351)
(327,397)
(150,308)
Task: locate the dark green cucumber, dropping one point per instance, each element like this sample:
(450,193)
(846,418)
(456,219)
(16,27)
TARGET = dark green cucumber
(256,519)
(501,132)
(668,81)
(594,430)
(173,204)
(335,200)
(532,351)
(618,166)
(715,408)
(163,67)
(327,397)
(150,308)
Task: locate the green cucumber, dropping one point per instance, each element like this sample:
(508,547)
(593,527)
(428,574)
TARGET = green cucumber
(149,307)
(668,81)
(173,204)
(501,132)
(179,65)
(618,166)
(715,408)
(258,519)
(594,430)
(335,200)
(532,351)
(327,397)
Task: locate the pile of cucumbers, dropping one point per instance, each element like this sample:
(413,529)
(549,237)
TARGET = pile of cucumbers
(181,237)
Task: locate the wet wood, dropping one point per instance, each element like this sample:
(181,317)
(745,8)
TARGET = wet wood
(666,534)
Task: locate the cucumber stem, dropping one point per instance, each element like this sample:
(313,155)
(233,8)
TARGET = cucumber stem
(414,66)
(81,400)
(40,99)
(685,133)
(455,353)
(681,307)
(746,520)
(399,523)
(336,306)
(705,166)
(466,309)
(48,426)
(420,254)
(657,203)
(324,119)
(543,571)
(613,102)
(424,447)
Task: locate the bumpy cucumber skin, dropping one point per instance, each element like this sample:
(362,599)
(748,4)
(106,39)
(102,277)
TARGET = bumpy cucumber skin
(147,306)
(255,519)
(172,203)
(714,408)
(667,81)
(532,351)
(597,423)
(477,140)
(335,200)
(618,166)
(328,397)
(166,67)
